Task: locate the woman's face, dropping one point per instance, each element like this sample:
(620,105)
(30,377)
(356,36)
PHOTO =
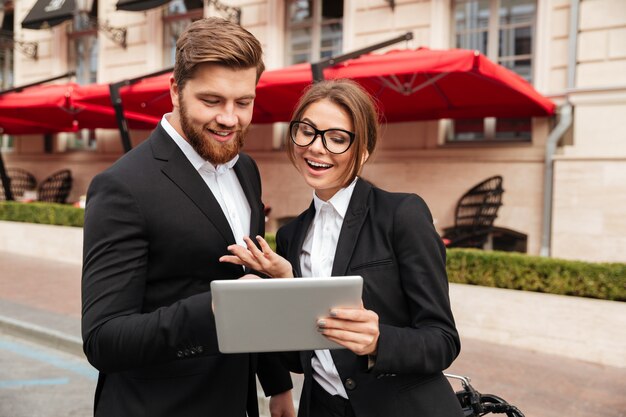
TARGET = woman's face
(322,170)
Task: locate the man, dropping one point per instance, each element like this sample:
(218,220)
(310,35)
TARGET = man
(156,223)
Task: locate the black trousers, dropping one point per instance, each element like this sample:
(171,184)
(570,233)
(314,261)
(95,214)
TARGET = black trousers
(325,405)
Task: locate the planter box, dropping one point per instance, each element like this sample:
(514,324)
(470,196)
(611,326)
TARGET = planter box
(57,243)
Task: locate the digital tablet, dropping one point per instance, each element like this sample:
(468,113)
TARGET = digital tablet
(279,314)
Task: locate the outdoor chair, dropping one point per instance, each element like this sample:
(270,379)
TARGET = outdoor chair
(55,188)
(474,215)
(21,180)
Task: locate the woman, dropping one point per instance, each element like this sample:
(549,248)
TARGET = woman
(404,335)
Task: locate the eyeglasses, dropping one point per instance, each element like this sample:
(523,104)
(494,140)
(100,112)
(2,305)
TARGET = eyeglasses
(335,141)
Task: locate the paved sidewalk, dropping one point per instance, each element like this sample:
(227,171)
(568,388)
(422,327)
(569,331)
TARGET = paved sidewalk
(40,300)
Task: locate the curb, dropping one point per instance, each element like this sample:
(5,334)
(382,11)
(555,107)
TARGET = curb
(42,335)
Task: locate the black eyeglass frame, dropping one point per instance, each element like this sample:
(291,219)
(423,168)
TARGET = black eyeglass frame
(321,133)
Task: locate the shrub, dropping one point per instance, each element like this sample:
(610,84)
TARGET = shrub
(533,273)
(43,213)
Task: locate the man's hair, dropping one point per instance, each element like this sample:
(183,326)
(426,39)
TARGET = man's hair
(219,41)
(360,107)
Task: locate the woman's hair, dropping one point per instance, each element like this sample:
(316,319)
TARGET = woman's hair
(219,41)
(358,104)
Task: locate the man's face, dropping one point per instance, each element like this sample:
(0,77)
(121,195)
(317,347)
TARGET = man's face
(214,109)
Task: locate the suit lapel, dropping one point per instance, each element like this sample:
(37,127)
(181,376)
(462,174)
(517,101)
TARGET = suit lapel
(301,230)
(245,177)
(348,237)
(178,169)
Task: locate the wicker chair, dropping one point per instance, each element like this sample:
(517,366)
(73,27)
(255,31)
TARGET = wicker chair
(21,181)
(56,188)
(474,216)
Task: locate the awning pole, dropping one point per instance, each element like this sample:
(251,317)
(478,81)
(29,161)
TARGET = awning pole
(317,68)
(6,181)
(118,105)
(47,80)
(122,125)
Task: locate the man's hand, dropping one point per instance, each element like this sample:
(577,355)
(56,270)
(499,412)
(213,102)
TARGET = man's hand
(281,405)
(354,328)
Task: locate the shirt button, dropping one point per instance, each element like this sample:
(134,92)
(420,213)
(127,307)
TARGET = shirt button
(186,352)
(199,349)
(350,383)
(180,354)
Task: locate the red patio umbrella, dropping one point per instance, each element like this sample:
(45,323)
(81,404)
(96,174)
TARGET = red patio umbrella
(410,85)
(57,108)
(148,98)
(94,101)
(11,126)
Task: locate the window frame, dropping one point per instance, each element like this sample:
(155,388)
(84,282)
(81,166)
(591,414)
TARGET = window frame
(493,29)
(168,20)
(314,24)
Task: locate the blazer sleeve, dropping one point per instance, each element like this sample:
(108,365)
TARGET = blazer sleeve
(431,342)
(117,334)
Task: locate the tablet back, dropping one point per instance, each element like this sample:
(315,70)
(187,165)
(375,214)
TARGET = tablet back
(280,314)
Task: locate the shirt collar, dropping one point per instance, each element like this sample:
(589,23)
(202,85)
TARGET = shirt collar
(339,201)
(196,160)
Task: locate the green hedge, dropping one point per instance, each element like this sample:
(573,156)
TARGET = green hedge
(533,273)
(43,213)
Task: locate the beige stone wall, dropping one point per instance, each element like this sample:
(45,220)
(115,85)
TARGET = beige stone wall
(52,49)
(589,215)
(411,156)
(590,172)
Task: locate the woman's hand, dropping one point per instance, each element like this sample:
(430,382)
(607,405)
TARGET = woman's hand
(353,328)
(264,260)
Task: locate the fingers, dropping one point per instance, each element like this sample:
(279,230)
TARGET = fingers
(240,256)
(265,247)
(354,314)
(355,329)
(232,259)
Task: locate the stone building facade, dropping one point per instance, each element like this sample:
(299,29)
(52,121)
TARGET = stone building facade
(573,51)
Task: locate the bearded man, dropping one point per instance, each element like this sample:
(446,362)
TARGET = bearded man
(156,223)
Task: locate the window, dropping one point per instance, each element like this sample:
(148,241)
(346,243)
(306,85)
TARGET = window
(83,48)
(83,59)
(177,16)
(6,44)
(504,31)
(6,143)
(314,30)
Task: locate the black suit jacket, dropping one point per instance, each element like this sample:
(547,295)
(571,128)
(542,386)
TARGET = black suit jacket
(389,239)
(152,239)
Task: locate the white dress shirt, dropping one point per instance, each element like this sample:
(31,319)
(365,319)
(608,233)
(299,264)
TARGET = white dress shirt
(223,183)
(316,260)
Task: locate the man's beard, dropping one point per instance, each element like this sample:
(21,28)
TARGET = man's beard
(211,150)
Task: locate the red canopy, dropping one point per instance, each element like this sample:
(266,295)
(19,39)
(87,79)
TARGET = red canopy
(410,85)
(149,98)
(13,126)
(58,108)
